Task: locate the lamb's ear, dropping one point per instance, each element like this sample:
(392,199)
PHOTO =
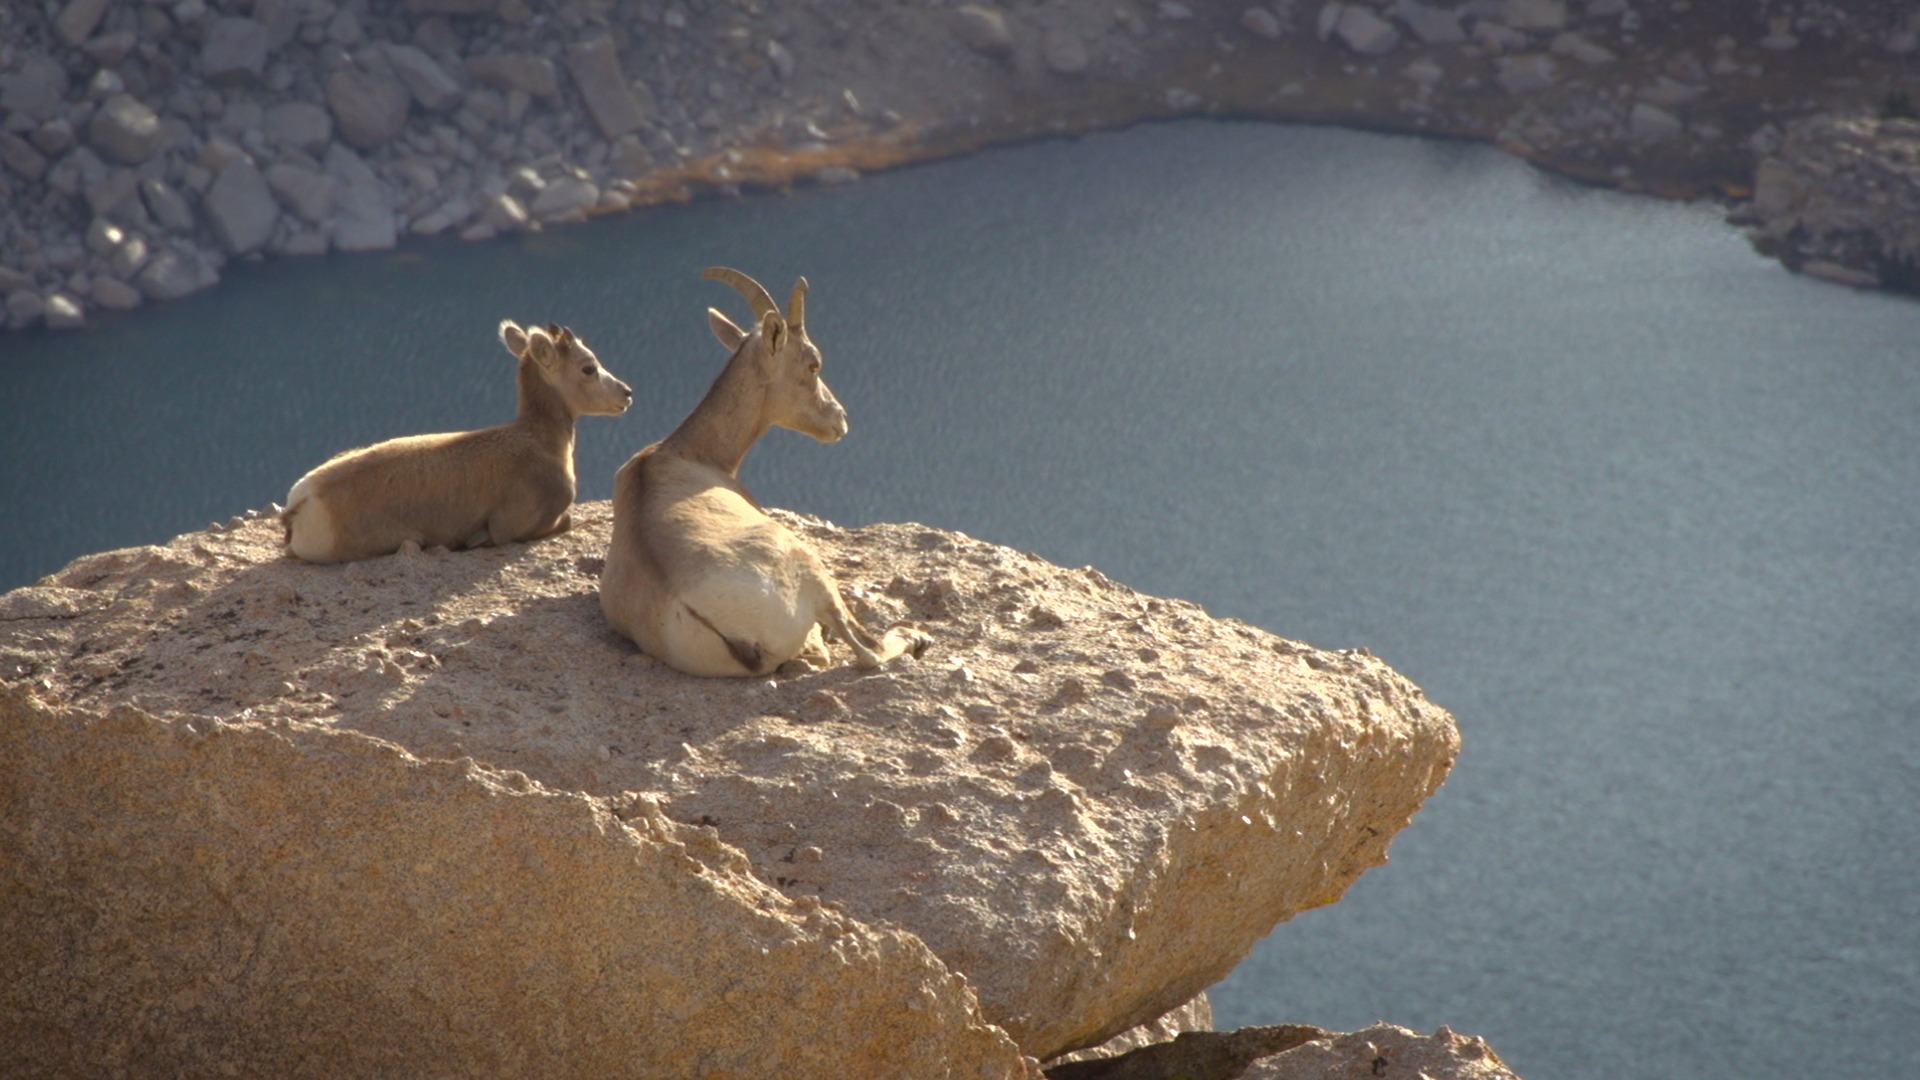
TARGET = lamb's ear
(514,338)
(723,328)
(540,348)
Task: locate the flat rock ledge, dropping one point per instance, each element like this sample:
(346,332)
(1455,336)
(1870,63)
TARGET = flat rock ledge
(429,813)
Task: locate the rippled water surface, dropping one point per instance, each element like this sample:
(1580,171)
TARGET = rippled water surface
(1641,508)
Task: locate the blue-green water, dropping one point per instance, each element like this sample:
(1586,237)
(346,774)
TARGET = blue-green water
(1640,507)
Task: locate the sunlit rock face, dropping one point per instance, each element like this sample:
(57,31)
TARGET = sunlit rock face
(253,804)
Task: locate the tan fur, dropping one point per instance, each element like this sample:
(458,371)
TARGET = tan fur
(697,575)
(497,485)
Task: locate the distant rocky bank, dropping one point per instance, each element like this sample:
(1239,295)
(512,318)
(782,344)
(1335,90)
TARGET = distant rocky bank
(147,146)
(429,815)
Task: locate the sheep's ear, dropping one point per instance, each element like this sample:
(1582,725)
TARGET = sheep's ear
(514,338)
(723,328)
(773,328)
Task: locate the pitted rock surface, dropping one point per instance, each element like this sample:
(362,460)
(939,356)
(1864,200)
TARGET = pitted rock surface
(189,897)
(1089,802)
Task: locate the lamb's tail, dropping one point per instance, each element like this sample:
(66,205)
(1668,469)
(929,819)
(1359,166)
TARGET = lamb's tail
(296,499)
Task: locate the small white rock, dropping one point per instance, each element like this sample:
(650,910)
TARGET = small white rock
(1364,32)
(782,59)
(1329,18)
(63,312)
(1527,73)
(1432,25)
(1548,15)
(1424,71)
(1651,124)
(1065,52)
(1575,47)
(1838,274)
(1261,23)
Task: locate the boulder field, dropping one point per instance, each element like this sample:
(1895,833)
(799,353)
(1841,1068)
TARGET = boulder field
(428,813)
(150,149)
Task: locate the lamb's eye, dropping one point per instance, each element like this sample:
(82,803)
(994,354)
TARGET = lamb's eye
(586,369)
(813,367)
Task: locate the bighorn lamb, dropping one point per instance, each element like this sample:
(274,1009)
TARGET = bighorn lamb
(697,575)
(464,489)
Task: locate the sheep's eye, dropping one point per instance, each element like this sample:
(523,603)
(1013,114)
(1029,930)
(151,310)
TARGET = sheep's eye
(586,369)
(813,367)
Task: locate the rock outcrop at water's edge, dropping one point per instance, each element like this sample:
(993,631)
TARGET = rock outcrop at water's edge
(1299,1052)
(430,813)
(147,148)
(1840,200)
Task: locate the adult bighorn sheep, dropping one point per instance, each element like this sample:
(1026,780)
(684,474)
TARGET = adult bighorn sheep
(463,489)
(697,574)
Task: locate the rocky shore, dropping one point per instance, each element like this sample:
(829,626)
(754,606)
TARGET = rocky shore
(148,147)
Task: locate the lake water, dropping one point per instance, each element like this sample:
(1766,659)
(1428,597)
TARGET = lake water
(1640,507)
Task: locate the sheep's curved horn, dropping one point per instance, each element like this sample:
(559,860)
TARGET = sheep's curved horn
(797,305)
(745,286)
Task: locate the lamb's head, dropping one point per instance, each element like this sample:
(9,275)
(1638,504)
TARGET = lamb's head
(570,367)
(786,360)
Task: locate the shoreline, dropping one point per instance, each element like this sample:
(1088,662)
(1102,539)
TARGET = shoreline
(150,147)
